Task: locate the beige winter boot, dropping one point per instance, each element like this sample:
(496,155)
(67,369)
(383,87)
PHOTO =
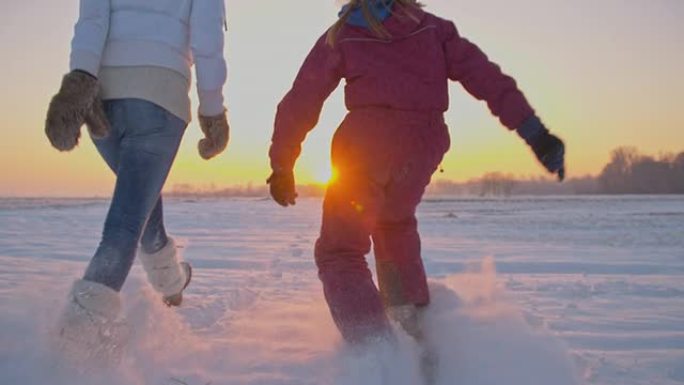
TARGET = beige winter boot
(89,332)
(166,274)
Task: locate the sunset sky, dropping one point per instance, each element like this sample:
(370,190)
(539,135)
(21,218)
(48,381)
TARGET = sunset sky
(601,74)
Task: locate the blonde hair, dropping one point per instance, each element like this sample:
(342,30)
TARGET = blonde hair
(373,22)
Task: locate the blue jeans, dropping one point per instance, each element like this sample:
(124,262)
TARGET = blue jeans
(140,149)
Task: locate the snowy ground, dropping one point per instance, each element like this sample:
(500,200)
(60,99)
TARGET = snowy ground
(526,291)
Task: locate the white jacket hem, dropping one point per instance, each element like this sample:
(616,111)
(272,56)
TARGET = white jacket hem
(145,53)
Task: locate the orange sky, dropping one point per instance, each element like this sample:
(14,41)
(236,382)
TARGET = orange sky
(600,74)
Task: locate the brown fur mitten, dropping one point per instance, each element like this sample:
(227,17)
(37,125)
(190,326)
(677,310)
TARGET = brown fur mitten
(216,132)
(96,120)
(68,109)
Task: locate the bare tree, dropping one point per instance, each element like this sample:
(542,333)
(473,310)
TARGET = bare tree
(631,173)
(496,184)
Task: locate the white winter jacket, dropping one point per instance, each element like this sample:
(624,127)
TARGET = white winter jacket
(172,34)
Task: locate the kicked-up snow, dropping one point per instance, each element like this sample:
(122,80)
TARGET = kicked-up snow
(526,291)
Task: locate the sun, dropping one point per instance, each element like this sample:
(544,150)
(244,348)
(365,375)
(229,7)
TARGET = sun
(325,175)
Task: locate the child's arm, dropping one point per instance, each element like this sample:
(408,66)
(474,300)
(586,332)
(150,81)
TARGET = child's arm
(207,23)
(301,107)
(467,64)
(90,36)
(484,80)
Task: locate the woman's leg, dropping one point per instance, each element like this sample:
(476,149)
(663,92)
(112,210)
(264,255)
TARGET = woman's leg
(154,237)
(149,141)
(159,258)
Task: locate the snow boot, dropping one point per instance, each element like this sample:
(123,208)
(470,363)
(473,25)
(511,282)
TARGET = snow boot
(175,300)
(167,276)
(89,333)
(409,317)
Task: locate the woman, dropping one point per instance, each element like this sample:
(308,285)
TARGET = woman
(129,82)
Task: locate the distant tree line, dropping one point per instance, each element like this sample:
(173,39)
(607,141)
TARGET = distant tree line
(628,172)
(497,184)
(632,173)
(237,191)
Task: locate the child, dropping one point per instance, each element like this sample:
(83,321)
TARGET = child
(396,60)
(129,83)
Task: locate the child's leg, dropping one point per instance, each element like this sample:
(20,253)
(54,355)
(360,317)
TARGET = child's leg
(349,211)
(147,143)
(396,242)
(401,274)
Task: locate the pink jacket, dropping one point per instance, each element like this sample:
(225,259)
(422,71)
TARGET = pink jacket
(408,72)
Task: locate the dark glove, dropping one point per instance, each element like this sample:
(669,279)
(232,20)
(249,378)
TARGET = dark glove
(282,187)
(70,109)
(550,151)
(548,148)
(216,135)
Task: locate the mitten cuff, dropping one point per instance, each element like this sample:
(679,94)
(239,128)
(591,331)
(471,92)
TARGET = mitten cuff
(213,122)
(530,129)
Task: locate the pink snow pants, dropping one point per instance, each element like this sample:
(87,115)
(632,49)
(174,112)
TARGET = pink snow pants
(384,160)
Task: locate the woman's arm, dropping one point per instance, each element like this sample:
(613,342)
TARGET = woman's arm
(90,36)
(207,22)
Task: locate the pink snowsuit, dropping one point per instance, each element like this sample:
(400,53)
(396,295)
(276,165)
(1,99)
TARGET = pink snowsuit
(385,152)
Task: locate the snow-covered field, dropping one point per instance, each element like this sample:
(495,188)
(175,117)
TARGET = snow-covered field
(526,291)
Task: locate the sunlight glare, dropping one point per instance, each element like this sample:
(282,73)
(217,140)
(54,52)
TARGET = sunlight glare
(325,175)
